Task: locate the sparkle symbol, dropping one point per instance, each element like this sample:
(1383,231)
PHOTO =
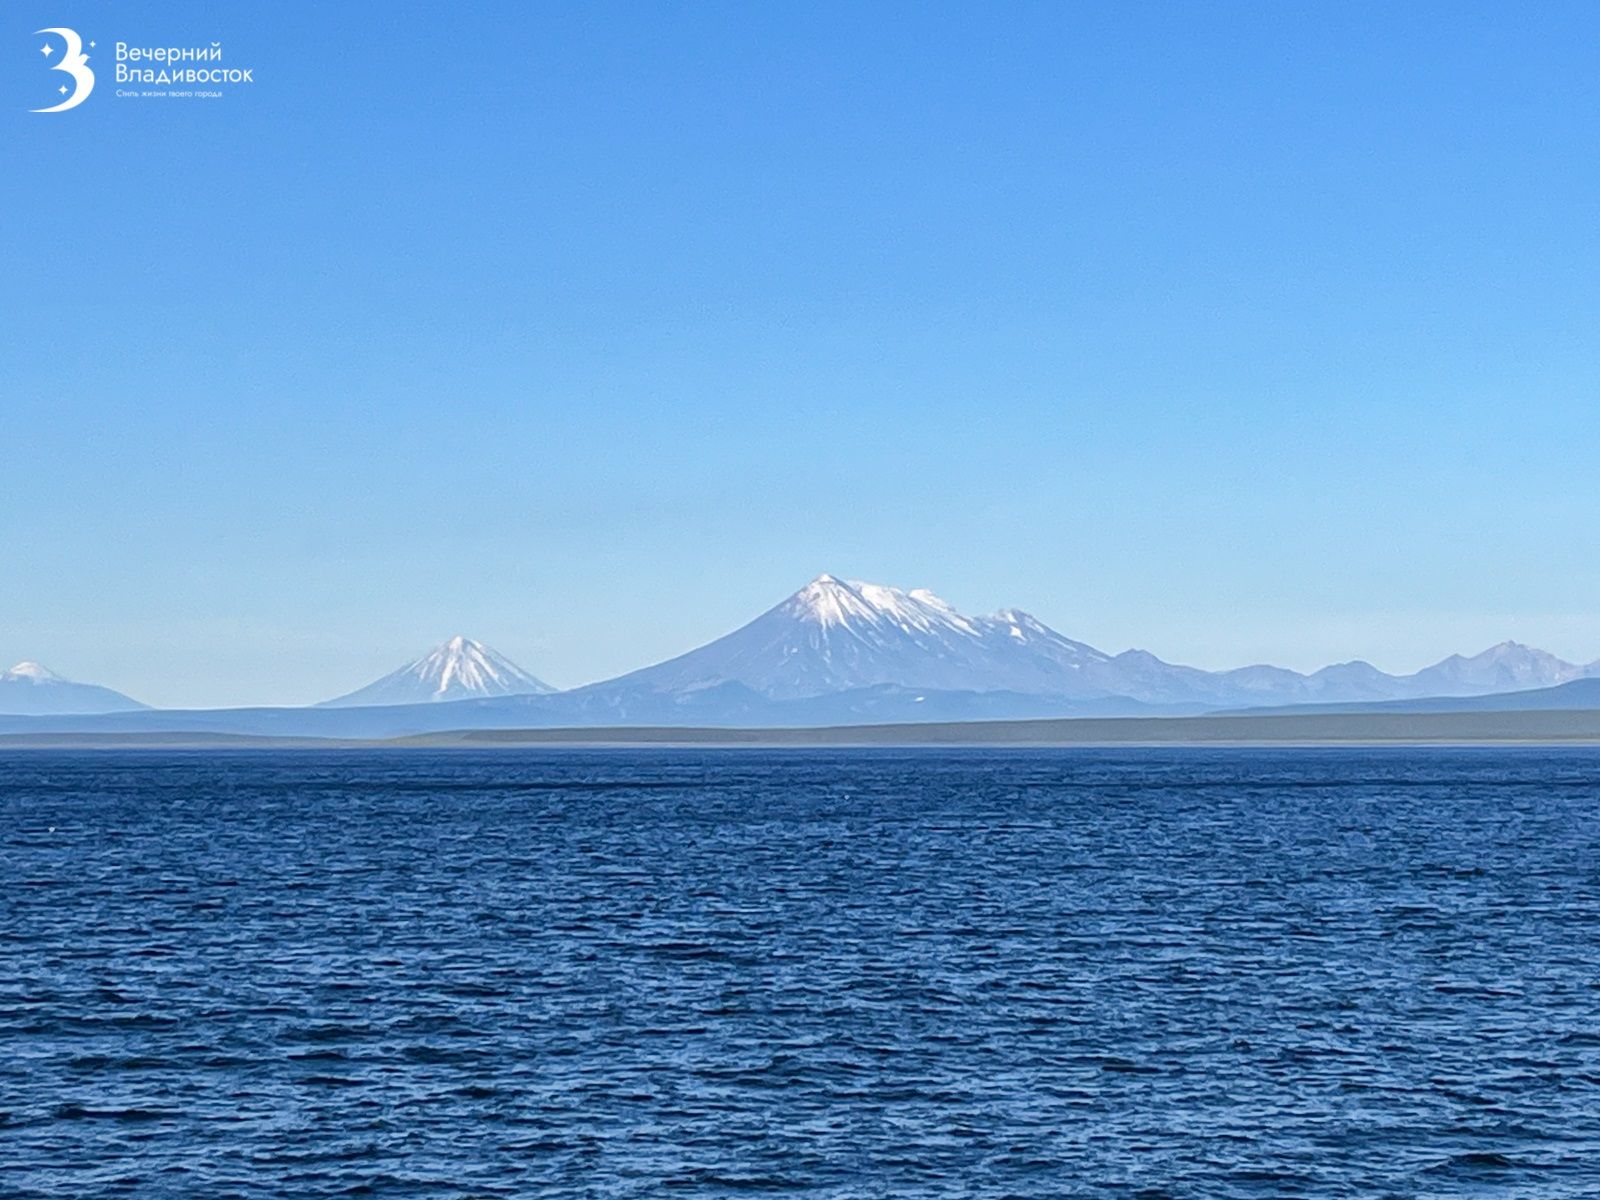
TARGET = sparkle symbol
(63,89)
(45,49)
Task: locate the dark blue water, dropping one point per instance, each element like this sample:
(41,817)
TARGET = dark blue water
(1096,973)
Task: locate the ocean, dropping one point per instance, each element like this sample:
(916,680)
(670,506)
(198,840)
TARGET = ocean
(640,973)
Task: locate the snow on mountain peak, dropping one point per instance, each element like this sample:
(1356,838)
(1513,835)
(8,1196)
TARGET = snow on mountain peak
(832,602)
(459,662)
(1022,622)
(829,601)
(462,666)
(919,609)
(33,672)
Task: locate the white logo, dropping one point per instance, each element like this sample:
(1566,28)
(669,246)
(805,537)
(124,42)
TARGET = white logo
(75,63)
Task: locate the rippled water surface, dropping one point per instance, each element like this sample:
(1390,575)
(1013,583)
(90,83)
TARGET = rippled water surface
(1029,973)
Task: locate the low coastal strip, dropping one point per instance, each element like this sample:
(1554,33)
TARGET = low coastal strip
(1308,729)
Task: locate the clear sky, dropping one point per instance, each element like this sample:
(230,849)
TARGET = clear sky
(1237,332)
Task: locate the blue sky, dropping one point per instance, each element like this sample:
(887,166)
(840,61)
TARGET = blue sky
(1238,332)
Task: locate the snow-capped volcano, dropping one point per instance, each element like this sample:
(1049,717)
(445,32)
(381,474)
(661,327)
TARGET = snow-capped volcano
(835,635)
(34,690)
(460,669)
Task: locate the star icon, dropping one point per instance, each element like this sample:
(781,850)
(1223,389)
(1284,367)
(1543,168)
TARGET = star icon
(91,45)
(63,89)
(45,49)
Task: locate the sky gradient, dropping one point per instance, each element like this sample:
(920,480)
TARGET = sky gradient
(1235,332)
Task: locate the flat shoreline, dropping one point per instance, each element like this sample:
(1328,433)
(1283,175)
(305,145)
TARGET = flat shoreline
(1558,727)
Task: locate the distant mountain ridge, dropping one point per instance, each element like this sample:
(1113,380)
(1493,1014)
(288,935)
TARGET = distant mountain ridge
(29,689)
(834,635)
(843,652)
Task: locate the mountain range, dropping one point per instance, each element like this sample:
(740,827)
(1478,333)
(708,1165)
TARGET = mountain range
(834,652)
(834,636)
